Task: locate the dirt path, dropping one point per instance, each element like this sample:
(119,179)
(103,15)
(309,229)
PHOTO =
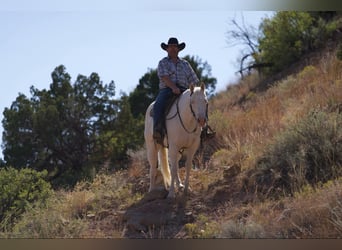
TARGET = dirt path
(155,216)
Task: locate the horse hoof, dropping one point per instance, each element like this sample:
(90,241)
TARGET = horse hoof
(171,196)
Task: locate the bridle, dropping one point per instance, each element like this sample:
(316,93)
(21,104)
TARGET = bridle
(192,112)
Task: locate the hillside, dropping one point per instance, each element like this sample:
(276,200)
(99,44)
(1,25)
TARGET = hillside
(273,171)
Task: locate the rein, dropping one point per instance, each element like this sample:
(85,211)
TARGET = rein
(180,118)
(181,121)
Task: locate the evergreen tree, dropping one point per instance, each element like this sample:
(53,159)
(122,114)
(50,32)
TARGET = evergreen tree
(67,129)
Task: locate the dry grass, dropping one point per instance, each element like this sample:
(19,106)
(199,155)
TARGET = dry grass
(310,214)
(92,210)
(247,124)
(248,127)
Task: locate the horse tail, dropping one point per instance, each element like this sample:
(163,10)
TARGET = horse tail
(164,164)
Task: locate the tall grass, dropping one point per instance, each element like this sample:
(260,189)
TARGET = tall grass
(308,152)
(279,131)
(74,214)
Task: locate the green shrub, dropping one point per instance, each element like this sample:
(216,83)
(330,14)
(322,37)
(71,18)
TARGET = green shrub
(288,35)
(49,222)
(204,227)
(239,230)
(309,152)
(20,190)
(339,52)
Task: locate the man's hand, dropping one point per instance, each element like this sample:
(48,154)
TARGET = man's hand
(176,90)
(170,84)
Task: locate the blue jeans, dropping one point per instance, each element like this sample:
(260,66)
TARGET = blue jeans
(159,107)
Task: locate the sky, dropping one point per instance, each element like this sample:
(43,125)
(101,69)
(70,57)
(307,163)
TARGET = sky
(118,42)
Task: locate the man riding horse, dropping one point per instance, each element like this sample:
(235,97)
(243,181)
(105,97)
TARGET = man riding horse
(175,76)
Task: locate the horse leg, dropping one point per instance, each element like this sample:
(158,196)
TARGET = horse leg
(164,165)
(188,163)
(178,180)
(174,168)
(152,156)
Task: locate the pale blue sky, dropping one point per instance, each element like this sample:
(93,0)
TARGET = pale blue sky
(117,42)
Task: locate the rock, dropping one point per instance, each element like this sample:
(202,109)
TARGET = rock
(149,214)
(90,215)
(155,194)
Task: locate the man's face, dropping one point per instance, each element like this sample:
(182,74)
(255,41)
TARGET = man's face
(172,50)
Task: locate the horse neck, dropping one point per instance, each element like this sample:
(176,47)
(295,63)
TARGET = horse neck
(185,110)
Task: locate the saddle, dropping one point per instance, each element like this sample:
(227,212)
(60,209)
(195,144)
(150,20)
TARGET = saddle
(168,106)
(169,103)
(206,134)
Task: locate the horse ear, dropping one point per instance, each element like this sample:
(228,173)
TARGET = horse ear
(202,86)
(192,87)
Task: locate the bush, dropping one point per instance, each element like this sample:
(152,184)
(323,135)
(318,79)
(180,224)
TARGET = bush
(239,230)
(289,35)
(309,152)
(53,221)
(20,190)
(203,228)
(339,52)
(285,38)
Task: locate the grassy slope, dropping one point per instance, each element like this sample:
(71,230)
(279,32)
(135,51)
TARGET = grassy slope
(249,123)
(226,200)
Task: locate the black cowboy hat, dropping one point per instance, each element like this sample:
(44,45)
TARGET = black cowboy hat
(173,41)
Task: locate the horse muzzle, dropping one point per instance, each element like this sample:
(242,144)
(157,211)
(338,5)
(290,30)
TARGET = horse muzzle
(202,121)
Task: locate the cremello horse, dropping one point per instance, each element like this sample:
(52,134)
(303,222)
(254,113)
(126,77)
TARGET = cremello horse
(184,122)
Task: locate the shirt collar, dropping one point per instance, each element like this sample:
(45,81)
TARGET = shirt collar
(169,58)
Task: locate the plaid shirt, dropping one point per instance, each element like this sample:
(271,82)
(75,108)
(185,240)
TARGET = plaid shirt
(180,73)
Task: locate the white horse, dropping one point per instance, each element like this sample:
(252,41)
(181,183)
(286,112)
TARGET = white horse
(184,123)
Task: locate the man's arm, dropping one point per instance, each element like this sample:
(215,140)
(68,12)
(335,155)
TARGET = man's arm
(193,77)
(170,84)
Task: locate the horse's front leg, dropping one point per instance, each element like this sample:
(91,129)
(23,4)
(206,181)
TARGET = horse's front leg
(188,165)
(187,175)
(178,180)
(152,156)
(174,172)
(153,175)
